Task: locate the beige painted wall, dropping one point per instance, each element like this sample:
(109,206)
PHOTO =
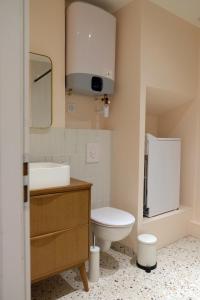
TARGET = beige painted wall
(124,119)
(169,51)
(196,207)
(154,58)
(163,63)
(47,36)
(87,114)
(168,227)
(166,66)
(151,124)
(182,122)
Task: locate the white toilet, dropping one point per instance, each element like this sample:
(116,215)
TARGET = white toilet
(110,224)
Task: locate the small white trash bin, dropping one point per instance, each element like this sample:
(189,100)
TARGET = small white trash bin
(146,254)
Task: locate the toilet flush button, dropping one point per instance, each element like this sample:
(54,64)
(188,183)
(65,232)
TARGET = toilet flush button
(92,153)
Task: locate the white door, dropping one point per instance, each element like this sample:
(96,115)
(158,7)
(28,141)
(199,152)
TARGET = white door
(14,246)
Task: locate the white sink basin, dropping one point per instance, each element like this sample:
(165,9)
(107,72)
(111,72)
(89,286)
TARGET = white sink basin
(47,175)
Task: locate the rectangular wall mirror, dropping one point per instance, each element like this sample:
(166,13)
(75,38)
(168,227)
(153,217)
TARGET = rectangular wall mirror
(41,91)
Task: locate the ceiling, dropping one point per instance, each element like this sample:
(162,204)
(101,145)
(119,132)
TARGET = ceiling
(160,101)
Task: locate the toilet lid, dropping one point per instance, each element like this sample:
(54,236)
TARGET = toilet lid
(112,217)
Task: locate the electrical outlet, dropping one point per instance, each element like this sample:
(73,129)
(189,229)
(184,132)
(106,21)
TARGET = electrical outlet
(71,107)
(92,153)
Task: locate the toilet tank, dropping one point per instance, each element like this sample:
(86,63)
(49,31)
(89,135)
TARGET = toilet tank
(90,49)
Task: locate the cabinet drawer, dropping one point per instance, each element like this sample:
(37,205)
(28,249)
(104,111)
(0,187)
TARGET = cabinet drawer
(55,212)
(53,253)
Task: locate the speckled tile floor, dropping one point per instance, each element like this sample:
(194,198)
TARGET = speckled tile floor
(177,277)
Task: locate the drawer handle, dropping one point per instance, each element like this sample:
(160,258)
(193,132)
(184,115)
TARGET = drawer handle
(40,237)
(50,196)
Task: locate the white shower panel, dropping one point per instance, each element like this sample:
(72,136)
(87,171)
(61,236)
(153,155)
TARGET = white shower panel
(163,175)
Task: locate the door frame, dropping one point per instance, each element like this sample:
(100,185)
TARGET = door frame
(14,215)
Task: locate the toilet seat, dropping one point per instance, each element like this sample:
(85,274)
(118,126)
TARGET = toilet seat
(112,217)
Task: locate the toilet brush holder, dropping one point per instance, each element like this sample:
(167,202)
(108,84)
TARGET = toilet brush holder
(94,262)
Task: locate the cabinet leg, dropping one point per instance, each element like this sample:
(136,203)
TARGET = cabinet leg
(84,277)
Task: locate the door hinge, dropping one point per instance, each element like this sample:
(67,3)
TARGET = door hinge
(25,179)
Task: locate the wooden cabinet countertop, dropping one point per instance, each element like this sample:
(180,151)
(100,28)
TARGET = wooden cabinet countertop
(74,185)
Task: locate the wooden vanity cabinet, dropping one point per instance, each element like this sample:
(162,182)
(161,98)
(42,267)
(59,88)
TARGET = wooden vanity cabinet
(60,224)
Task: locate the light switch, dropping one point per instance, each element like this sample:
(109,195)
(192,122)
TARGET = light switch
(92,154)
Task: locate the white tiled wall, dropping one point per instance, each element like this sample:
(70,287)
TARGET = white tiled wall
(69,146)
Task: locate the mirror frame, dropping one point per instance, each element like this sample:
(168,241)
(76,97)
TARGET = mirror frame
(32,127)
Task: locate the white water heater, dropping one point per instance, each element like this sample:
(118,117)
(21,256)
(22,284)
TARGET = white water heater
(90,49)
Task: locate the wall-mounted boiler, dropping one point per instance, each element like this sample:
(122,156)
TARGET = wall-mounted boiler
(90,50)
